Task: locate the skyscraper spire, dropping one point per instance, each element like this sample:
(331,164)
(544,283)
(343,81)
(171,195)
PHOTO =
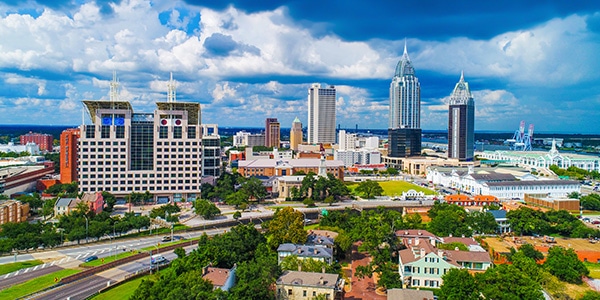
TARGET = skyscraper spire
(462,76)
(171,97)
(114,88)
(405,51)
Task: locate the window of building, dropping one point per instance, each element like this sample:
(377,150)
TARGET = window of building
(163,132)
(177,132)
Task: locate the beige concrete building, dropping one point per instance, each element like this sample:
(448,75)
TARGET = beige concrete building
(123,151)
(12,211)
(308,285)
(417,165)
(296,134)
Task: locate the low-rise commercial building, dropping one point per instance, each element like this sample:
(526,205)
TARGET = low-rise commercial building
(552,203)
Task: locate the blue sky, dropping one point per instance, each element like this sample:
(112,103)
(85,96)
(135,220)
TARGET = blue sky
(245,61)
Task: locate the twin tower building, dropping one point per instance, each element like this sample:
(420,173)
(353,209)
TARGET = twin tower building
(404,131)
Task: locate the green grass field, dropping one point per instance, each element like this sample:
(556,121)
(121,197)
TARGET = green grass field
(594,270)
(9,268)
(123,291)
(395,188)
(36,284)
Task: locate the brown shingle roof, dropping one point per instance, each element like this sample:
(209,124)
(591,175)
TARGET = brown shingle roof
(218,276)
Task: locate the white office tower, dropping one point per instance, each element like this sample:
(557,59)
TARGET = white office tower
(405,96)
(346,141)
(123,151)
(321,114)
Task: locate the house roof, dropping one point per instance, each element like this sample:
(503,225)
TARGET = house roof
(64,202)
(298,278)
(408,294)
(533,183)
(463,240)
(493,176)
(315,239)
(306,250)
(498,214)
(414,233)
(468,256)
(218,276)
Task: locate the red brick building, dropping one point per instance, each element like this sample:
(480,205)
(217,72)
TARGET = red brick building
(69,140)
(41,139)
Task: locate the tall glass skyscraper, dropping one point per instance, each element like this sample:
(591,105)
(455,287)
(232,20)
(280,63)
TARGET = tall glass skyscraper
(405,96)
(321,114)
(405,111)
(461,122)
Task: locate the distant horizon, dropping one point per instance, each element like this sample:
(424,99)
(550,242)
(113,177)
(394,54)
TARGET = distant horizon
(347,129)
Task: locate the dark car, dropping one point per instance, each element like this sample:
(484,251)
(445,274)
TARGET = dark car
(93,257)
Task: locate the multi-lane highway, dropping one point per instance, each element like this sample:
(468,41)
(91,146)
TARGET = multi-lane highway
(86,287)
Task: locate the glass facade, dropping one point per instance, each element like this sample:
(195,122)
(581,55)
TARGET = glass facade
(142,146)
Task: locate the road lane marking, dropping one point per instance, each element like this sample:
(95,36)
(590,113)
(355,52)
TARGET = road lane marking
(35,268)
(78,256)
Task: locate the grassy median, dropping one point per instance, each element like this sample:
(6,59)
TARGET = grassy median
(9,268)
(123,291)
(36,284)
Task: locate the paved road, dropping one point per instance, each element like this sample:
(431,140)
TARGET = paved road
(88,286)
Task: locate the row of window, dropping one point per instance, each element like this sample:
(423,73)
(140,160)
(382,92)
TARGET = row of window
(138,182)
(139,188)
(426,270)
(159,175)
(101,143)
(429,283)
(143,175)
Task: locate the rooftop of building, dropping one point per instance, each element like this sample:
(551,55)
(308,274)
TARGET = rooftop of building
(314,251)
(534,183)
(312,279)
(218,276)
(295,163)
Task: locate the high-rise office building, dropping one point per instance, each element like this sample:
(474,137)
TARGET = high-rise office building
(69,139)
(405,110)
(272,133)
(461,122)
(405,96)
(296,134)
(321,114)
(123,151)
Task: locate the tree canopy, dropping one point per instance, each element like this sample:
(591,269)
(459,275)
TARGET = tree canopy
(369,189)
(287,226)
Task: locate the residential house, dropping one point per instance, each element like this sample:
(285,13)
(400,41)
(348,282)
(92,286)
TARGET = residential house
(308,285)
(221,278)
(64,206)
(502,220)
(422,264)
(319,253)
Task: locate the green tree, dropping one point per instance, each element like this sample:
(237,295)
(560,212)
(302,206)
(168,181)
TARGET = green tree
(238,199)
(287,226)
(206,209)
(254,188)
(447,219)
(458,285)
(48,207)
(109,200)
(482,222)
(506,282)
(564,264)
(369,189)
(530,251)
(237,215)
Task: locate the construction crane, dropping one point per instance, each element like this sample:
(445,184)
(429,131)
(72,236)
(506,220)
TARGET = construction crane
(521,141)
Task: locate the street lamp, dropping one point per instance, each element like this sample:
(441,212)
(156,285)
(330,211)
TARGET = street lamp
(86,228)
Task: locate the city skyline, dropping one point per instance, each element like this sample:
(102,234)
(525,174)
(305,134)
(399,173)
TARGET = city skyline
(245,62)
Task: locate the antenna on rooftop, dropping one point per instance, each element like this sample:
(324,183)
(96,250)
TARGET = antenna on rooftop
(171,97)
(114,88)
